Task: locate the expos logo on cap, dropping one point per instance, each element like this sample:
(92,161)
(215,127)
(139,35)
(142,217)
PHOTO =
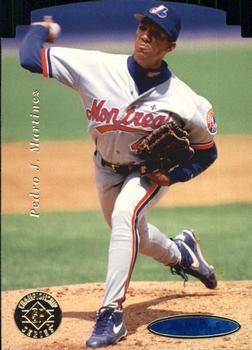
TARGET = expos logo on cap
(160,11)
(164,16)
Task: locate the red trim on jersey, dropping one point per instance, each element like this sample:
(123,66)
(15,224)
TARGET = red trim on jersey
(44,62)
(107,128)
(142,202)
(203,146)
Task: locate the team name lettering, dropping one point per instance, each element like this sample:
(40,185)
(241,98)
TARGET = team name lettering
(135,119)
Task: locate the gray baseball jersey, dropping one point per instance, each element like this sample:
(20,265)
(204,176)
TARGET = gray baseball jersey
(117,118)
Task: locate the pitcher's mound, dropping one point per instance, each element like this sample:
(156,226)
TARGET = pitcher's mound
(146,301)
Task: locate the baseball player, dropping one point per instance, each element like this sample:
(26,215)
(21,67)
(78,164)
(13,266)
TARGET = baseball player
(127,97)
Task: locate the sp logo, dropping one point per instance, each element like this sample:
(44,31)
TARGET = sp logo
(37,315)
(160,11)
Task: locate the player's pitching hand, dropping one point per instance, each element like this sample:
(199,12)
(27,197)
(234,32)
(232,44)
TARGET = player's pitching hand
(46,23)
(160,178)
(53,28)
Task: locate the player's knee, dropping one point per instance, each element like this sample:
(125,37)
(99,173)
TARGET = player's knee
(122,215)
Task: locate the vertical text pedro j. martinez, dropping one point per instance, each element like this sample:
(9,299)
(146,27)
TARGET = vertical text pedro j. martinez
(34,148)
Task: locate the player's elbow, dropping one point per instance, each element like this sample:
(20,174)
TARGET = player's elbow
(30,59)
(23,59)
(27,62)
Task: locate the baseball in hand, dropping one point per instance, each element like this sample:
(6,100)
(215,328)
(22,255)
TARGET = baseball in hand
(54,31)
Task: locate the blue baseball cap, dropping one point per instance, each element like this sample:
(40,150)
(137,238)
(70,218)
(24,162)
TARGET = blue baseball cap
(163,15)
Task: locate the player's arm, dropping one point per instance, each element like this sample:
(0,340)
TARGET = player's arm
(30,50)
(33,43)
(201,160)
(203,128)
(61,63)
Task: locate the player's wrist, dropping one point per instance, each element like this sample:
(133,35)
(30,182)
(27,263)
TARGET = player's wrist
(46,23)
(160,178)
(43,24)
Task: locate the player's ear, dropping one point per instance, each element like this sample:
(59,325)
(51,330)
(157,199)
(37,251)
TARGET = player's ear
(171,46)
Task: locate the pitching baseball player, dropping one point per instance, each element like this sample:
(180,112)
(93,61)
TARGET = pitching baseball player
(127,98)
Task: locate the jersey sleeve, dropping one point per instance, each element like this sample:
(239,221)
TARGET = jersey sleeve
(201,160)
(194,113)
(30,48)
(66,64)
(202,126)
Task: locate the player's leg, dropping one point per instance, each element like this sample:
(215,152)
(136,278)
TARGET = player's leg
(136,196)
(124,206)
(191,261)
(110,326)
(157,245)
(108,185)
(153,242)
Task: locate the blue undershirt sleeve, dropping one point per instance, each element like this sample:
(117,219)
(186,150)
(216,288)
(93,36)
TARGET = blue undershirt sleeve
(201,160)
(30,50)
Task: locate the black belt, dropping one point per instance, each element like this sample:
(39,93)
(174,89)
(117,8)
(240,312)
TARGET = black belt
(123,169)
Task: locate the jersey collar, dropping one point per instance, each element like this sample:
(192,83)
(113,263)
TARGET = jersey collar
(146,79)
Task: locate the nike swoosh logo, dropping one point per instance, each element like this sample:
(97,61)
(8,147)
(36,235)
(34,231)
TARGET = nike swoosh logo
(195,263)
(116,329)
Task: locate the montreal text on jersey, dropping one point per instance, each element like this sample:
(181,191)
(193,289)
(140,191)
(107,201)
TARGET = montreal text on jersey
(132,118)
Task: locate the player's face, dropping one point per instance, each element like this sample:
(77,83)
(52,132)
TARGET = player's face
(151,44)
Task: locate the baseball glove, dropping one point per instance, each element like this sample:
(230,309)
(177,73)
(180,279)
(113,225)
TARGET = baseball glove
(164,148)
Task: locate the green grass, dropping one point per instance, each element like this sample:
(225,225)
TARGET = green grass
(220,74)
(61,113)
(66,248)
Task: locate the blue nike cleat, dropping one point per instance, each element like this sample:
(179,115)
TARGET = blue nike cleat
(192,261)
(109,328)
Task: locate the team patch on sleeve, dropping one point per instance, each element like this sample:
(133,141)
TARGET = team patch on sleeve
(211,122)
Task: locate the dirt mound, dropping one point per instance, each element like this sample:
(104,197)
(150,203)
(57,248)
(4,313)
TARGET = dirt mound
(146,301)
(66,179)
